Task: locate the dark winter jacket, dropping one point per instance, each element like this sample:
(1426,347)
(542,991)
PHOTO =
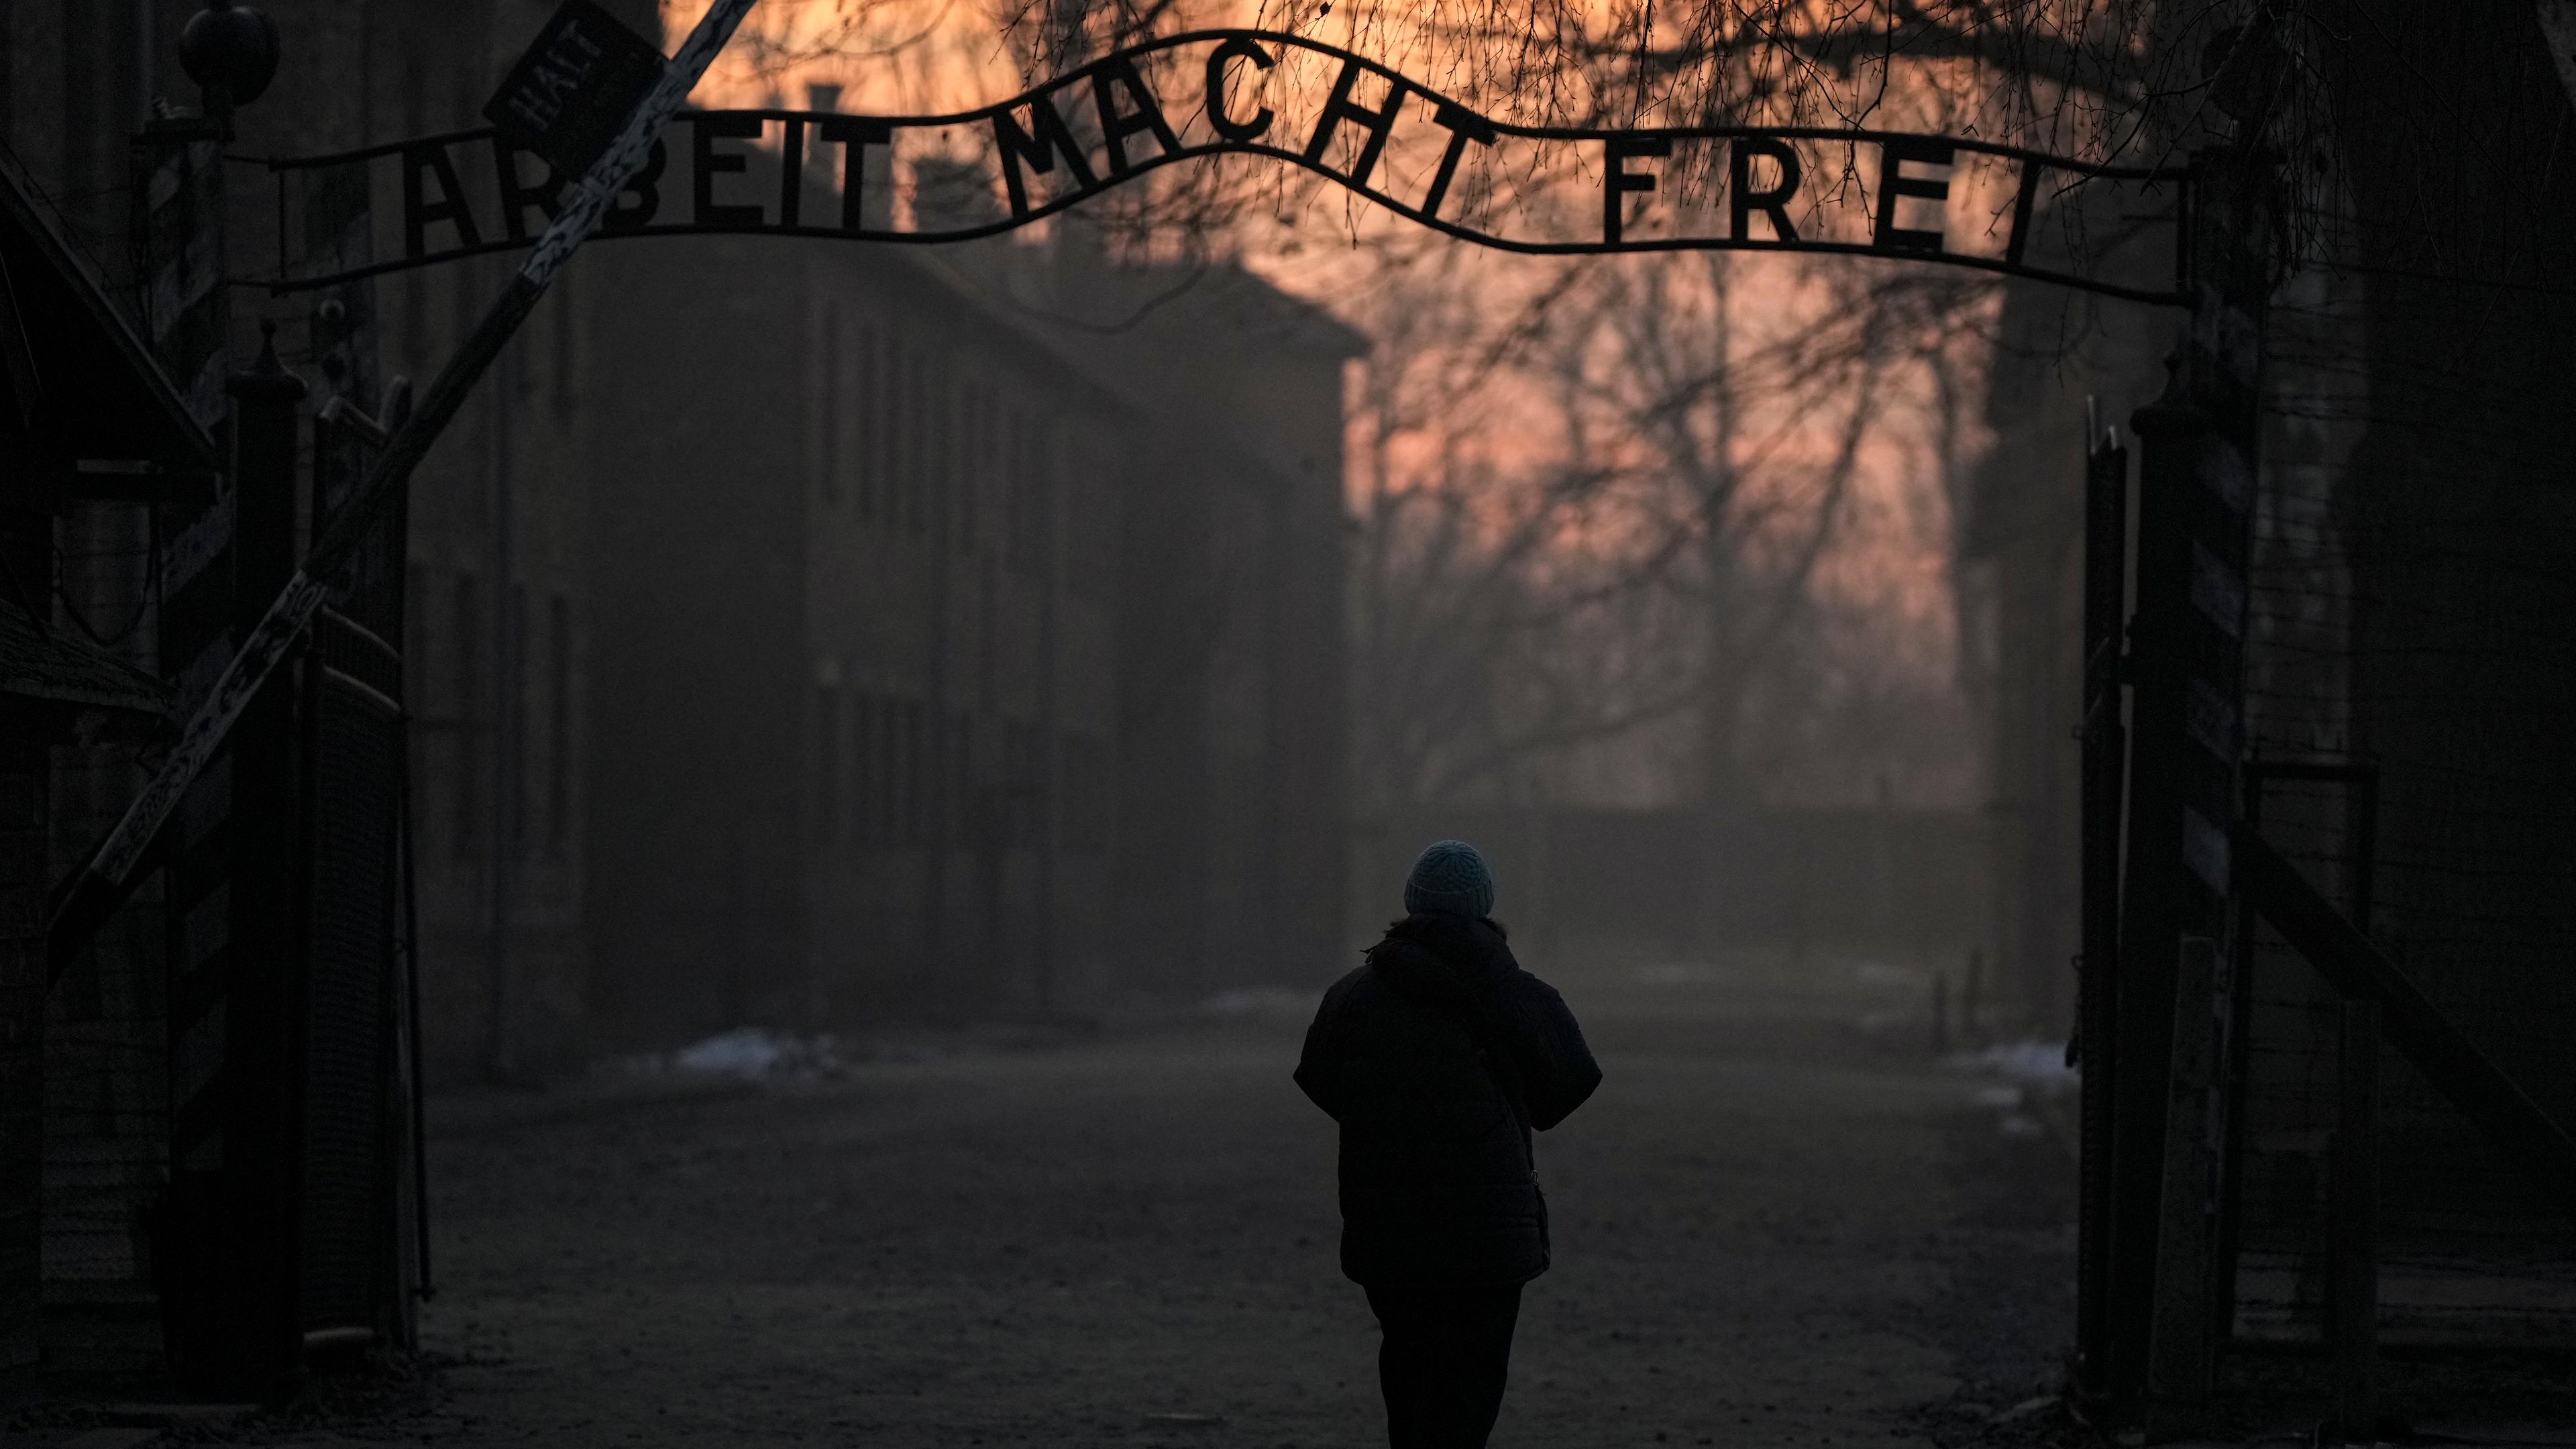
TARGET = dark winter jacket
(1437,1058)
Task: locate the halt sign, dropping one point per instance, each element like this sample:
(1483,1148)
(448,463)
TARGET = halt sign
(574,88)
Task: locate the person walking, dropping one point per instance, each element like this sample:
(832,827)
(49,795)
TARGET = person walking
(1439,1057)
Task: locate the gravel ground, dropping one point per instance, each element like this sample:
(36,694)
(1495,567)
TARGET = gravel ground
(1769,1232)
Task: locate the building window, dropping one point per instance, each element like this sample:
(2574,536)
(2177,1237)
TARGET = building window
(1019,784)
(936,436)
(1088,796)
(969,487)
(827,762)
(887,446)
(944,498)
(466,693)
(863,774)
(510,754)
(890,727)
(415,644)
(827,409)
(1016,547)
(559,761)
(864,389)
(900,444)
(1031,483)
(416,286)
(1046,471)
(567,332)
(917,444)
(899,742)
(961,769)
(1090,534)
(936,734)
(918,772)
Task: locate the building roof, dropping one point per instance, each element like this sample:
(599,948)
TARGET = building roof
(1086,309)
(1246,305)
(75,380)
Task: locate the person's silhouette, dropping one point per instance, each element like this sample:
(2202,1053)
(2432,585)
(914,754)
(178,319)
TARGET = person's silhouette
(1439,1057)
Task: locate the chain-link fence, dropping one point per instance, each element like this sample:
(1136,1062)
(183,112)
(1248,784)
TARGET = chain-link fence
(2411,663)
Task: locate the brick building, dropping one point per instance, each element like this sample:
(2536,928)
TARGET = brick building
(942,645)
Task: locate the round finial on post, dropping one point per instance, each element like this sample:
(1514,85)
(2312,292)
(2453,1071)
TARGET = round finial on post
(231,52)
(267,377)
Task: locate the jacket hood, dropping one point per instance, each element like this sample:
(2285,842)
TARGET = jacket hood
(1436,956)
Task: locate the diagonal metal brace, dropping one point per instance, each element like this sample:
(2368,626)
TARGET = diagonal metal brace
(2359,970)
(86,902)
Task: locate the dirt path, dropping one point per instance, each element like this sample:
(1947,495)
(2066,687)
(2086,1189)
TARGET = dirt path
(1758,1221)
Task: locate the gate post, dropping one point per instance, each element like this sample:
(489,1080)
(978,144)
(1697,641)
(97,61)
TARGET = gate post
(2105,747)
(2352,1235)
(182,250)
(254,1342)
(2195,516)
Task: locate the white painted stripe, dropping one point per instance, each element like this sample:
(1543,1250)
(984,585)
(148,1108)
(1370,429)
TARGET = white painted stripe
(2204,849)
(2217,592)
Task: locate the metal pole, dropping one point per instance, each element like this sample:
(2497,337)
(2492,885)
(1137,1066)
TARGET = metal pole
(2195,511)
(427,1287)
(102,882)
(501,857)
(257,1334)
(2105,747)
(2179,1359)
(2352,1296)
(2159,894)
(2238,1083)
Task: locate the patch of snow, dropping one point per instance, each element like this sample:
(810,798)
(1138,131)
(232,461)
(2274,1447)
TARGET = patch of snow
(2025,1409)
(1879,973)
(1268,1002)
(2040,1064)
(2028,1083)
(755,1054)
(745,1051)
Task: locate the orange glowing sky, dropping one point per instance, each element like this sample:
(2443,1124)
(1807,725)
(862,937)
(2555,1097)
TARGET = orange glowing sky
(916,56)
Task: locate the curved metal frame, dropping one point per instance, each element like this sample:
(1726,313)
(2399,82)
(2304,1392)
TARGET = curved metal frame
(1647,136)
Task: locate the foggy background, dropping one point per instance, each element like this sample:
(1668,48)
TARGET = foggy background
(899,737)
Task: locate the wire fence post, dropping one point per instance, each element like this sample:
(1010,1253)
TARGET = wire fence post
(2352,1257)
(2180,1352)
(2104,755)
(240,1334)
(2187,737)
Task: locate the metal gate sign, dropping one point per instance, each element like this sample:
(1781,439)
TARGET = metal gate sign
(569,95)
(1401,145)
